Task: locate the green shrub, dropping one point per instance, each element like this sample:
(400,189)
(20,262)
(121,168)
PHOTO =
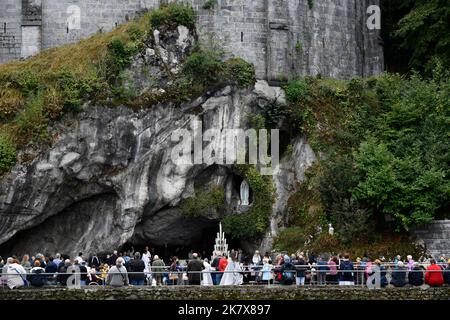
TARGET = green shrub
(290,239)
(311,4)
(158,18)
(173,15)
(7,154)
(26,80)
(204,203)
(337,179)
(297,91)
(204,67)
(73,90)
(252,224)
(135,32)
(241,72)
(121,55)
(31,124)
(386,145)
(11,100)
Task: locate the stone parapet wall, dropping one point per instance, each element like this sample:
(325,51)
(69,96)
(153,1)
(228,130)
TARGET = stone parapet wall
(229,293)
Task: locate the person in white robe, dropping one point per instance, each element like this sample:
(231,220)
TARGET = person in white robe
(206,274)
(232,275)
(146,257)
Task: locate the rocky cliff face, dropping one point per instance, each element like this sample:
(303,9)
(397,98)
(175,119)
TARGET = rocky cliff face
(109,179)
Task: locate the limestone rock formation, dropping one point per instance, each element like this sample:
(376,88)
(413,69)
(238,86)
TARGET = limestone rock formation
(109,178)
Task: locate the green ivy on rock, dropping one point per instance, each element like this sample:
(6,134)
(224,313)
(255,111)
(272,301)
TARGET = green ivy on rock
(204,202)
(252,224)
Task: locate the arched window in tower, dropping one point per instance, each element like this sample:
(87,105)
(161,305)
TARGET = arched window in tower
(245,193)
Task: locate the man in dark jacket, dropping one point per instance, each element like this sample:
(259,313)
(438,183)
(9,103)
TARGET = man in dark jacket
(136,270)
(415,276)
(346,270)
(51,268)
(322,269)
(300,268)
(194,268)
(399,275)
(62,273)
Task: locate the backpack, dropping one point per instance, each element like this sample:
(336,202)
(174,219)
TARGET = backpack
(288,275)
(37,279)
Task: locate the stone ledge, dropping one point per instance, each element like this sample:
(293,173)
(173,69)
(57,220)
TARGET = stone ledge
(228,293)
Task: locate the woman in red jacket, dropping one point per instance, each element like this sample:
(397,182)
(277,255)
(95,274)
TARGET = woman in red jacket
(223,262)
(433,276)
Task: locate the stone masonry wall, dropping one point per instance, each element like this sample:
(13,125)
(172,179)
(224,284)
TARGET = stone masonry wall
(435,237)
(10,30)
(61,18)
(228,293)
(282,38)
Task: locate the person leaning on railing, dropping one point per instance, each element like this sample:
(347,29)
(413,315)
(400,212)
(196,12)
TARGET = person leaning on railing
(62,273)
(37,276)
(158,267)
(383,280)
(194,269)
(175,271)
(136,267)
(300,269)
(103,272)
(15,274)
(51,268)
(346,272)
(433,276)
(399,275)
(118,275)
(447,273)
(415,275)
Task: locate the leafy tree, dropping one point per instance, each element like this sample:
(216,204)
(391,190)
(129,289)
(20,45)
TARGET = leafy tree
(336,182)
(425,31)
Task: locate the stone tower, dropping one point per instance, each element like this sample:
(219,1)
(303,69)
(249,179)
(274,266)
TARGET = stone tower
(284,39)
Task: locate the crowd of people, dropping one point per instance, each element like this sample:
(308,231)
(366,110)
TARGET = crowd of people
(136,269)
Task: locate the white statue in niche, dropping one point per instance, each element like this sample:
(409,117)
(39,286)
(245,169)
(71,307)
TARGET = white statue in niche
(330,229)
(245,192)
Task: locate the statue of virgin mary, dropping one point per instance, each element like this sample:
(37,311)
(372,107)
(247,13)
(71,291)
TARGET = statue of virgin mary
(245,192)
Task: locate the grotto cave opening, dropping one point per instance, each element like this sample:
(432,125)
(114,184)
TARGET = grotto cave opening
(89,224)
(202,245)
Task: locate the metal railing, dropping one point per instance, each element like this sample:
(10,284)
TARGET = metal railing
(312,277)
